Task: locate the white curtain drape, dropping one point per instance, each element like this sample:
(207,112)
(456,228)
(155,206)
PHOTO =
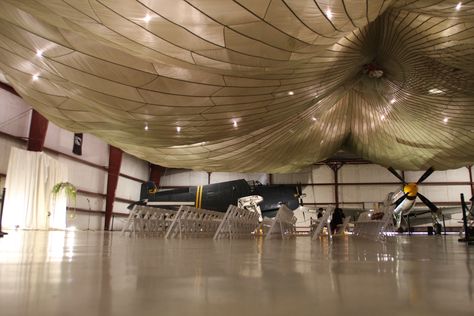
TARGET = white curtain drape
(29,200)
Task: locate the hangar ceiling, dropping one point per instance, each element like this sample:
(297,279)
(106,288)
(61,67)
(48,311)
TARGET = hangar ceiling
(250,85)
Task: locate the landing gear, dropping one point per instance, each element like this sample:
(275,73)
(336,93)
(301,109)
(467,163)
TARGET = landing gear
(438,228)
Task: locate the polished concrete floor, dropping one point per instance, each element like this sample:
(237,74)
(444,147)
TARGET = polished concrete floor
(93,273)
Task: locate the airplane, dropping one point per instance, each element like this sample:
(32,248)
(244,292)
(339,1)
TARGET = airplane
(404,202)
(405,214)
(218,196)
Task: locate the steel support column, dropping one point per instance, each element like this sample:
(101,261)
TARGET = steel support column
(155,173)
(37,134)
(470,179)
(115,161)
(335,166)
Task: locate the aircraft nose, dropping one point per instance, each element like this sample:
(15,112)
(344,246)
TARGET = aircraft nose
(410,189)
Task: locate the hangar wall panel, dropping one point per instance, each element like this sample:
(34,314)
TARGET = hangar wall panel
(365,173)
(318,194)
(229,176)
(365,193)
(15,116)
(135,167)
(445,193)
(181,177)
(93,149)
(461,174)
(304,176)
(322,174)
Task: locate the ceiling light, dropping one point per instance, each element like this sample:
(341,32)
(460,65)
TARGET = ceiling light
(290,93)
(235,123)
(314,119)
(393,101)
(383,117)
(435,91)
(39,53)
(146,126)
(446,120)
(147,18)
(459,5)
(35,77)
(178,129)
(329,14)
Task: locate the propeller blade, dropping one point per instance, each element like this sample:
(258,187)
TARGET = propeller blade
(299,189)
(427,202)
(400,199)
(395,173)
(425,175)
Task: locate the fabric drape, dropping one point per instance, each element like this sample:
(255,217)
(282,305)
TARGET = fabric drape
(29,202)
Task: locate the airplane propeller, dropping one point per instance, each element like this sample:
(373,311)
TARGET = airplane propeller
(299,193)
(427,202)
(425,175)
(400,199)
(410,188)
(395,173)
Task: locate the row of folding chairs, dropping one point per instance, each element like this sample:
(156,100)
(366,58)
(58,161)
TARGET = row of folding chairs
(237,223)
(283,225)
(191,222)
(146,220)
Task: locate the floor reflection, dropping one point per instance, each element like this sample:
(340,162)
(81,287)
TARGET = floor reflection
(44,273)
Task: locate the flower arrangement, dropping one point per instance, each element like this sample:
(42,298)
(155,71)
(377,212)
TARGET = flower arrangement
(69,189)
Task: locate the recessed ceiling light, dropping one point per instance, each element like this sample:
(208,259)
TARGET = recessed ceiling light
(435,91)
(459,5)
(383,117)
(39,53)
(146,126)
(147,18)
(234,123)
(178,129)
(393,101)
(329,13)
(314,119)
(446,120)
(35,77)
(290,93)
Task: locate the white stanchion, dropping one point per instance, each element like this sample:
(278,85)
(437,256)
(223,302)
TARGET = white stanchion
(323,221)
(148,220)
(237,223)
(194,222)
(283,225)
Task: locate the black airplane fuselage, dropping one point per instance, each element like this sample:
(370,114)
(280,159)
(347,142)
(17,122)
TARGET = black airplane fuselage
(218,196)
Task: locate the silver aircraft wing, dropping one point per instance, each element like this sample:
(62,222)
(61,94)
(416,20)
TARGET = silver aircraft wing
(421,216)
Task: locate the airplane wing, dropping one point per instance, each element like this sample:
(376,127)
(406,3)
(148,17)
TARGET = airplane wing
(446,211)
(423,216)
(417,216)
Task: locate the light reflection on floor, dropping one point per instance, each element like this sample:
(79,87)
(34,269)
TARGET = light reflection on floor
(92,273)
